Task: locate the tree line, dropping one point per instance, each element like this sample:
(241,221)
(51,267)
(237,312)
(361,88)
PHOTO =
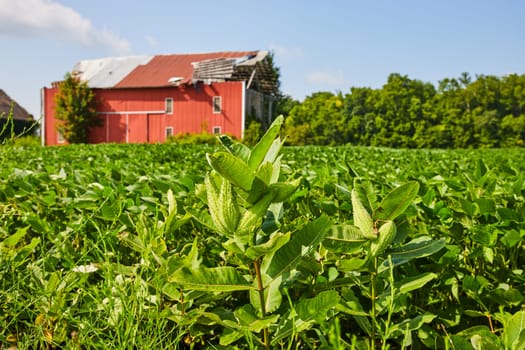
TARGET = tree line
(487,111)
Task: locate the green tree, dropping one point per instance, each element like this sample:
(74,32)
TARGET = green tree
(75,109)
(462,112)
(284,105)
(360,112)
(319,120)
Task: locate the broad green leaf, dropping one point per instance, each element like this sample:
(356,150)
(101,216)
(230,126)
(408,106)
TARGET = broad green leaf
(417,248)
(204,218)
(12,240)
(229,336)
(352,264)
(251,219)
(272,219)
(481,169)
(172,224)
(265,172)
(458,343)
(233,169)
(190,260)
(172,202)
(235,148)
(467,206)
(259,189)
(24,252)
(283,190)
(518,185)
(261,149)
(306,312)
(215,205)
(406,326)
(351,305)
(316,308)
(396,202)
(248,319)
(236,245)
(513,328)
(366,194)
(53,282)
(511,238)
(228,211)
(172,291)
(362,218)
(344,238)
(488,254)
(474,313)
(272,155)
(276,163)
(486,206)
(386,234)
(481,338)
(272,295)
(276,241)
(412,283)
(215,279)
(301,244)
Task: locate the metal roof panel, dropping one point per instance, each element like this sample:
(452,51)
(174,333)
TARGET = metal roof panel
(107,72)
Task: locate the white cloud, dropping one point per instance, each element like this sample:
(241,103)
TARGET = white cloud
(286,53)
(326,78)
(151,40)
(37,18)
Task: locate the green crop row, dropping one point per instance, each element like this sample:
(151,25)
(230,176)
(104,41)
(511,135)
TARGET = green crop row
(171,246)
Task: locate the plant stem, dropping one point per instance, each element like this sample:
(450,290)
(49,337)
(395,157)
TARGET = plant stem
(260,290)
(373,297)
(390,305)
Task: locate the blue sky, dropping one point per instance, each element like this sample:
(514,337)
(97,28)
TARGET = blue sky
(319,46)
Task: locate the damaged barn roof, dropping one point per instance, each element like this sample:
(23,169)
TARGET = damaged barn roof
(180,69)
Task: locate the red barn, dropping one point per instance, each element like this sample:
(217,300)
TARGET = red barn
(149,98)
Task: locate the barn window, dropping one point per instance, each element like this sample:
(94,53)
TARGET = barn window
(60,137)
(169,131)
(217,104)
(169,105)
(216,130)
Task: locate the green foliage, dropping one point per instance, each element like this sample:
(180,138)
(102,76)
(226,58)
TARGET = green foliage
(407,113)
(158,246)
(318,120)
(241,188)
(27,141)
(253,132)
(202,138)
(75,109)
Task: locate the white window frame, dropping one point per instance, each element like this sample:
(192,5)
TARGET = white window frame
(217,130)
(60,137)
(168,105)
(217,102)
(168,131)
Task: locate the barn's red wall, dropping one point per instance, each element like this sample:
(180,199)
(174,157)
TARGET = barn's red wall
(50,134)
(138,115)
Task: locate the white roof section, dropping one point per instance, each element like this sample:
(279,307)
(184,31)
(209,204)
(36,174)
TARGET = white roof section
(107,72)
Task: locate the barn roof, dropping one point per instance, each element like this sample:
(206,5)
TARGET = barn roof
(19,113)
(178,69)
(107,72)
